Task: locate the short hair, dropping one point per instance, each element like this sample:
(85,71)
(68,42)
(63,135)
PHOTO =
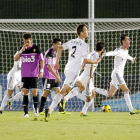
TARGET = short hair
(99,46)
(80,28)
(122,38)
(55,40)
(27,36)
(22,43)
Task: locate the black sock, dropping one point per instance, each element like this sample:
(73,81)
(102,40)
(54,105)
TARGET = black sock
(42,104)
(35,99)
(25,103)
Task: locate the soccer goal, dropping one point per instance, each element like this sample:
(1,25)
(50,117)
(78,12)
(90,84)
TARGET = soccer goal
(43,31)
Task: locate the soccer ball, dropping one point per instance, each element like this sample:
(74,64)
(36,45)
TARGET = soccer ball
(106,108)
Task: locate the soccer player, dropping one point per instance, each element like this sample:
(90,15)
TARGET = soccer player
(51,78)
(88,94)
(78,50)
(121,55)
(30,55)
(13,79)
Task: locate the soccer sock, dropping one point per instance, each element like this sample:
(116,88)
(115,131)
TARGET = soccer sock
(4,101)
(25,103)
(35,99)
(86,106)
(55,102)
(101,91)
(16,97)
(72,93)
(82,97)
(128,101)
(42,104)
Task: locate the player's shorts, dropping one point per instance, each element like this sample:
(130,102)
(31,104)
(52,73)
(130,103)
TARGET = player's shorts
(88,89)
(48,84)
(71,78)
(117,79)
(29,82)
(13,80)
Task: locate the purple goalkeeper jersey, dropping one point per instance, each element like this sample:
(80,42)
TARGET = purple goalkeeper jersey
(49,58)
(30,61)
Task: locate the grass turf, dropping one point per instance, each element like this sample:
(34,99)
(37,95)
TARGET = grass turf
(98,126)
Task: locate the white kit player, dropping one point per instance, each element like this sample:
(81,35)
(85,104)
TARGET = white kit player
(13,80)
(121,56)
(78,50)
(88,94)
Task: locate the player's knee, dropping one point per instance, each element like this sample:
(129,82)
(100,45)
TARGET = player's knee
(110,95)
(82,88)
(126,90)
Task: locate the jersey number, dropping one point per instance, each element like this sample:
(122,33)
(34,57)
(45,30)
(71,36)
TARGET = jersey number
(72,55)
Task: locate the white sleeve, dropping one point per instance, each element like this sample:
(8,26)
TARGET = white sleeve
(129,57)
(113,53)
(66,45)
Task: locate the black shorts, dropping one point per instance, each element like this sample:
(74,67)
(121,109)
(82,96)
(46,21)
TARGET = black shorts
(48,84)
(29,82)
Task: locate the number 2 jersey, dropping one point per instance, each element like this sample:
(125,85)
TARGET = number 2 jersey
(30,61)
(49,58)
(78,50)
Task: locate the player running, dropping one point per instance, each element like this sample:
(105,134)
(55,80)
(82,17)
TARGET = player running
(30,55)
(13,79)
(88,94)
(121,56)
(78,50)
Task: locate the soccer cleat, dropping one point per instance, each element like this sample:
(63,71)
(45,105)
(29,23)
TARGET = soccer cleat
(62,106)
(25,115)
(64,113)
(9,105)
(47,115)
(35,111)
(83,115)
(1,112)
(135,111)
(41,113)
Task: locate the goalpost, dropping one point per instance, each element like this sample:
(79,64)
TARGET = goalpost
(43,31)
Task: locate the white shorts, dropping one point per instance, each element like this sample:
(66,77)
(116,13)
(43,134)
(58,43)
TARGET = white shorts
(117,79)
(71,78)
(13,80)
(89,86)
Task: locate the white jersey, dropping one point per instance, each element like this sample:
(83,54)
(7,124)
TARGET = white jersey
(78,50)
(16,68)
(121,56)
(86,73)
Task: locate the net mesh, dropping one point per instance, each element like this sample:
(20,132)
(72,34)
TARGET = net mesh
(43,33)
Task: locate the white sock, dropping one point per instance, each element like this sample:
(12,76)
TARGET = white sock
(101,91)
(72,93)
(4,101)
(55,102)
(82,97)
(86,106)
(128,101)
(16,97)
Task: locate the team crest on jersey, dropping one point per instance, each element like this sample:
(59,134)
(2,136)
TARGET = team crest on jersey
(34,50)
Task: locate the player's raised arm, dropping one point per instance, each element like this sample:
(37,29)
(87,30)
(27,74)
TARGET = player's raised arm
(59,52)
(17,56)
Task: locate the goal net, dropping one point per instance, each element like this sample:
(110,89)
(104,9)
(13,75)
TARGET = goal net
(44,31)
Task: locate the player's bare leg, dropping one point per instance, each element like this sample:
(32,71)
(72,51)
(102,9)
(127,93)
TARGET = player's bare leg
(88,102)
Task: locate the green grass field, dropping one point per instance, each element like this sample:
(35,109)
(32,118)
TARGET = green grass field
(97,126)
